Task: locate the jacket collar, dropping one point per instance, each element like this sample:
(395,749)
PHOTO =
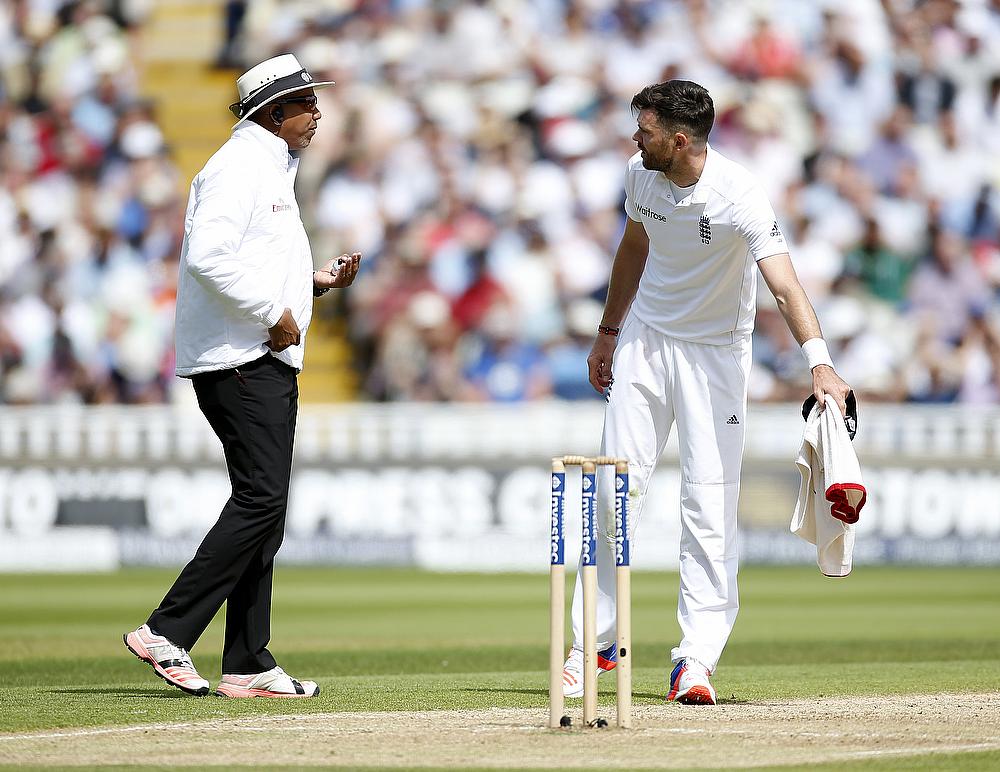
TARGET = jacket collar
(274,146)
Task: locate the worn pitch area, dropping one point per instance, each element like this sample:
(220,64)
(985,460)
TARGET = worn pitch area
(664,736)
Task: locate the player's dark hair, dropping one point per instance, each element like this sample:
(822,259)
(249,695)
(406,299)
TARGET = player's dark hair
(678,104)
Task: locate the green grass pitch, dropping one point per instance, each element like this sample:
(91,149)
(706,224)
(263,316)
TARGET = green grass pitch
(409,640)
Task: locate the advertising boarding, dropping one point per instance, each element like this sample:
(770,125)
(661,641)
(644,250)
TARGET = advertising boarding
(458,487)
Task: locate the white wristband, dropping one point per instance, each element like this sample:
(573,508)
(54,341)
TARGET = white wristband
(816,353)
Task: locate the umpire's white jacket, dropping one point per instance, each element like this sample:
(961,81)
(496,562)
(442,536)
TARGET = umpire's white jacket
(245,256)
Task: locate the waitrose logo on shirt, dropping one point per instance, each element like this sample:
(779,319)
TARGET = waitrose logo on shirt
(645,210)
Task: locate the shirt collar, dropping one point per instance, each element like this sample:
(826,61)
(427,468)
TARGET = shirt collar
(701,187)
(710,171)
(275,146)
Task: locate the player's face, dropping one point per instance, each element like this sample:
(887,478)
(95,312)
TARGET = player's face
(301,118)
(658,145)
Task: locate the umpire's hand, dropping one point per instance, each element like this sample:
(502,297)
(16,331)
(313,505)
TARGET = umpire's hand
(338,272)
(285,333)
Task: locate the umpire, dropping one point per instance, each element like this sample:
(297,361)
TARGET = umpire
(244,302)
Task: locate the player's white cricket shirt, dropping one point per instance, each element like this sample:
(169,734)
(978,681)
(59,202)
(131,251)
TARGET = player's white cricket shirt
(700,280)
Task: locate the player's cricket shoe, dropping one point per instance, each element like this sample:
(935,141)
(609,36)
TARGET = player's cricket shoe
(168,660)
(573,669)
(271,683)
(689,683)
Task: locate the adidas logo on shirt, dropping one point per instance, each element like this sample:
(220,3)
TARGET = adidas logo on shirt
(733,420)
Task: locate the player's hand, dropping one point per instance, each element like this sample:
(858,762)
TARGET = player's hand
(285,333)
(338,272)
(599,362)
(826,381)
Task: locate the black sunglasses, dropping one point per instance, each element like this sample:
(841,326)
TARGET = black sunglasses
(310,102)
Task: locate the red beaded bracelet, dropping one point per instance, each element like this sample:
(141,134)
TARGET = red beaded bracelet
(603,330)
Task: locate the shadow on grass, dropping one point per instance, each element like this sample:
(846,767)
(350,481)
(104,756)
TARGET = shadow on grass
(651,696)
(503,690)
(393,661)
(122,691)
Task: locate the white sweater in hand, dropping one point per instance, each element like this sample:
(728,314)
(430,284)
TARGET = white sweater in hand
(832,491)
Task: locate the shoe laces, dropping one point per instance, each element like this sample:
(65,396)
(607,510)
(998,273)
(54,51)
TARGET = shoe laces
(173,651)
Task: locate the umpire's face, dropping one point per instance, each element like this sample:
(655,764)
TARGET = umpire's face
(299,116)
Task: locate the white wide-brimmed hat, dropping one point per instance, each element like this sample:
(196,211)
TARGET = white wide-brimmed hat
(269,80)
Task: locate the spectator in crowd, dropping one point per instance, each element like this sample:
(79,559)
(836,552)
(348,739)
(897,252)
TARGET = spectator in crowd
(504,368)
(473,150)
(891,152)
(927,92)
(766,54)
(233,14)
(947,289)
(563,356)
(882,272)
(979,357)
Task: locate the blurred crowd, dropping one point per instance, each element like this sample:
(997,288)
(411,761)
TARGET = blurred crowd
(475,152)
(90,211)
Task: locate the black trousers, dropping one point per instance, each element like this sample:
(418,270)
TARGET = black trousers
(252,410)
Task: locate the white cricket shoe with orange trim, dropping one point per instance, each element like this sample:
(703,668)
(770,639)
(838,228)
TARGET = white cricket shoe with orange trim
(271,683)
(169,661)
(689,684)
(607,659)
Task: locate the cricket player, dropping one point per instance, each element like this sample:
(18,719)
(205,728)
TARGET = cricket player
(244,303)
(674,347)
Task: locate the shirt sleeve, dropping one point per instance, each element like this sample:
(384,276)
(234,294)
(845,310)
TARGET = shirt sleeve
(630,209)
(224,205)
(754,219)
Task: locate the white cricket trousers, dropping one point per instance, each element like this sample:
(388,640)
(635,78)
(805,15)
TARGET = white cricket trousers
(658,381)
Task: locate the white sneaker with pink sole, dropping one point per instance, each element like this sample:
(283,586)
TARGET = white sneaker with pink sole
(271,683)
(169,661)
